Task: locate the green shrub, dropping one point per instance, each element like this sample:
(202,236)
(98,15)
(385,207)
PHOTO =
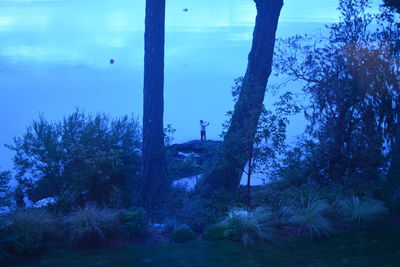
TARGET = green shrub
(183,235)
(27,229)
(214,233)
(198,210)
(4,240)
(135,221)
(94,154)
(91,225)
(234,229)
(360,210)
(307,217)
(249,227)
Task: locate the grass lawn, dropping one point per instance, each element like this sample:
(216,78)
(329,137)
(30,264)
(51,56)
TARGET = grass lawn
(369,248)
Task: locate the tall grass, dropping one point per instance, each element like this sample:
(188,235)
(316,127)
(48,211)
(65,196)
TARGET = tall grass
(250,226)
(90,225)
(361,210)
(307,217)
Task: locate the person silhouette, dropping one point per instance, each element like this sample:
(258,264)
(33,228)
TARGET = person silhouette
(203,126)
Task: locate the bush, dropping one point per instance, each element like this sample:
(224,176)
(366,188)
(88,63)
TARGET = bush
(307,217)
(183,235)
(27,229)
(91,225)
(214,233)
(198,211)
(79,159)
(135,221)
(234,229)
(249,227)
(4,240)
(360,210)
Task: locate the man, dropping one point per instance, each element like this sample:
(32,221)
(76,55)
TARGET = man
(203,126)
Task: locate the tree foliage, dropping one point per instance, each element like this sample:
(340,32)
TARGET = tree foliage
(270,138)
(352,78)
(82,158)
(5,178)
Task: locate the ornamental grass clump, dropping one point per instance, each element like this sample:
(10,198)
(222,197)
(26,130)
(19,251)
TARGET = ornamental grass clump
(249,227)
(91,225)
(361,210)
(308,217)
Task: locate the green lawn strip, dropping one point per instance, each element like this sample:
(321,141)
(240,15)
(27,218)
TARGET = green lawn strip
(360,248)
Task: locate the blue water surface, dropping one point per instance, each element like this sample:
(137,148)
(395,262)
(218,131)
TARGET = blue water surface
(54,57)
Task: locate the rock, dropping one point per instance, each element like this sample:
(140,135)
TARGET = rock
(188,183)
(44,202)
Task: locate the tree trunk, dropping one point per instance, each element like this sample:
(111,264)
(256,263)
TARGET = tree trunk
(154,164)
(394,168)
(249,173)
(227,172)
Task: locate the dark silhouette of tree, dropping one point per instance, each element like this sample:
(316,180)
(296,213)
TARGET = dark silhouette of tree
(393,3)
(232,158)
(392,36)
(154,164)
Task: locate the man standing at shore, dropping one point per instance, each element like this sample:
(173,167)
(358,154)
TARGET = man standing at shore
(203,126)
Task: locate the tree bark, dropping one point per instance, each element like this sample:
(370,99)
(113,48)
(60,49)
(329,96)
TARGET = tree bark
(393,175)
(154,163)
(227,172)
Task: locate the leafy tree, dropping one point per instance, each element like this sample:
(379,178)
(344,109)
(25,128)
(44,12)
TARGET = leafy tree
(351,77)
(154,172)
(393,3)
(227,171)
(269,142)
(83,158)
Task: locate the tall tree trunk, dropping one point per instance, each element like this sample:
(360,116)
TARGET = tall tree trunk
(337,166)
(227,172)
(154,164)
(393,175)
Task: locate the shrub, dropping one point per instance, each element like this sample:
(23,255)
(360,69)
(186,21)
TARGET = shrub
(249,226)
(183,235)
(359,210)
(91,225)
(79,159)
(27,229)
(307,217)
(4,240)
(234,229)
(135,221)
(214,233)
(198,210)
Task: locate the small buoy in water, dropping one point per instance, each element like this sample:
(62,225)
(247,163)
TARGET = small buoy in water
(111,61)
(185,9)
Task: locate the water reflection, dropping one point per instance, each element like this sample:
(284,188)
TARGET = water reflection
(73,26)
(54,56)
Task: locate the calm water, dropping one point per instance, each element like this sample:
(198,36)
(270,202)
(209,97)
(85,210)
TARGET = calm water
(54,57)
